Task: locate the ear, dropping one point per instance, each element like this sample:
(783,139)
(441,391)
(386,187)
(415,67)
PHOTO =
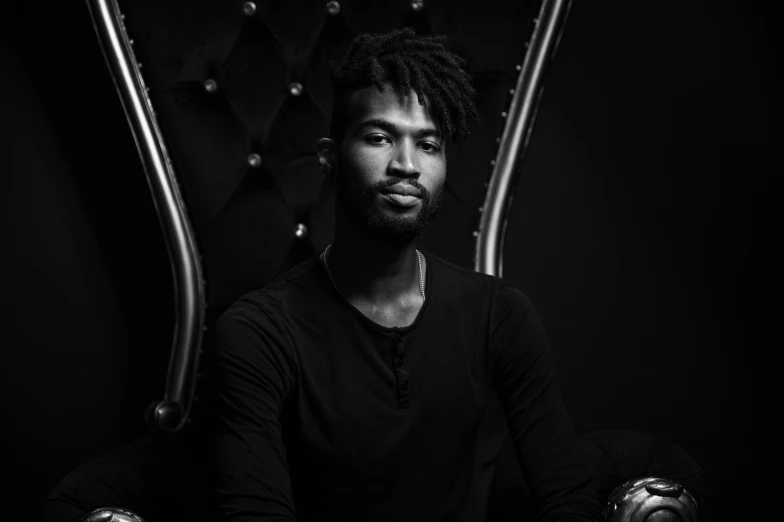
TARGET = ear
(326,155)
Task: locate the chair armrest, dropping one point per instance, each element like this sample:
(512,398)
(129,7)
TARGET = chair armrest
(650,499)
(110,514)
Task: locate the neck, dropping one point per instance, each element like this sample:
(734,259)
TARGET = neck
(372,268)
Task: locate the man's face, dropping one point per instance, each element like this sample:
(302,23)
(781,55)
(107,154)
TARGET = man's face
(391,163)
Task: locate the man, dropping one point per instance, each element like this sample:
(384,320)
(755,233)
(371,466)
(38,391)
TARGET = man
(352,387)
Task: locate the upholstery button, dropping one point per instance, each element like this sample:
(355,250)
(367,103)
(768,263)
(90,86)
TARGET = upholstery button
(249,8)
(210,85)
(404,386)
(333,7)
(301,230)
(254,160)
(398,362)
(417,5)
(295,88)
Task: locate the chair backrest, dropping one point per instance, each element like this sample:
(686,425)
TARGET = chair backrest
(226,101)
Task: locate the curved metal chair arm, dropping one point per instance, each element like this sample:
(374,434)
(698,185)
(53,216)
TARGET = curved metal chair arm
(649,499)
(489,245)
(172,412)
(111,514)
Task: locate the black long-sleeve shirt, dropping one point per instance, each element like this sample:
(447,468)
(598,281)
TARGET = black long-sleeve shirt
(323,414)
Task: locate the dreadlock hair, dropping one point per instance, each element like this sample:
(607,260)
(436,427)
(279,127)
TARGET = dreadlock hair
(413,63)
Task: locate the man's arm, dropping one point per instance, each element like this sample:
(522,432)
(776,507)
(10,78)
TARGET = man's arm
(541,430)
(253,376)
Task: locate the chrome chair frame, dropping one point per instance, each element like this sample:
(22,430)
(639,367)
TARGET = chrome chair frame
(632,501)
(489,244)
(171,413)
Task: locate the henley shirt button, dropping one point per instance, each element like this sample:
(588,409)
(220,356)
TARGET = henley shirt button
(398,362)
(404,386)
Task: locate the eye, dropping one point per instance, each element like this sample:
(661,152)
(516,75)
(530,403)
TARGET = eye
(429,147)
(377,139)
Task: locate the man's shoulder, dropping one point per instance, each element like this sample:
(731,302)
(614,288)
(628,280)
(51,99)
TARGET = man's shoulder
(466,279)
(453,272)
(273,296)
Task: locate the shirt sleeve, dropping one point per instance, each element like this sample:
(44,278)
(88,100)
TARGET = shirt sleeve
(547,448)
(253,376)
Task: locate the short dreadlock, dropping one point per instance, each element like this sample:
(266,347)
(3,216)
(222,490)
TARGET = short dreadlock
(411,62)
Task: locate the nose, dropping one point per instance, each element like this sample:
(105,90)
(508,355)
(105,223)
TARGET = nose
(404,162)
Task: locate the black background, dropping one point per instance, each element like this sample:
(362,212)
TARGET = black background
(645,183)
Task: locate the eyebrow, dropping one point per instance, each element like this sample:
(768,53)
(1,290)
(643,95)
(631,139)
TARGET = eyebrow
(393,129)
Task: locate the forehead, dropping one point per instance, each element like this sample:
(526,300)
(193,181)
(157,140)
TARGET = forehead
(391,105)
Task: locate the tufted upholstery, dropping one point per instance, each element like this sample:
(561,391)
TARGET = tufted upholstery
(242,92)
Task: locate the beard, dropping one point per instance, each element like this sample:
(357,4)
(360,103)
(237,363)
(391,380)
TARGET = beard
(364,209)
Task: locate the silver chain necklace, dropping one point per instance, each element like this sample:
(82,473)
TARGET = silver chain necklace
(419,260)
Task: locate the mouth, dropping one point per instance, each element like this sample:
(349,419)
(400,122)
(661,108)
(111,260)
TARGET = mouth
(401,200)
(402,189)
(403,195)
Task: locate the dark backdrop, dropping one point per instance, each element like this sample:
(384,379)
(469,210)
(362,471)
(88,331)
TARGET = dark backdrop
(633,224)
(631,232)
